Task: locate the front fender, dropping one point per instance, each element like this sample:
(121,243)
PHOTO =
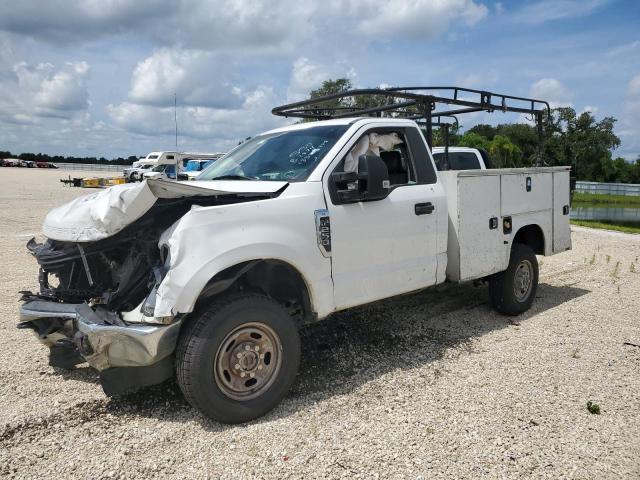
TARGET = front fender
(208,240)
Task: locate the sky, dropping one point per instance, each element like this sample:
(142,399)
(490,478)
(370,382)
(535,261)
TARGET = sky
(98,77)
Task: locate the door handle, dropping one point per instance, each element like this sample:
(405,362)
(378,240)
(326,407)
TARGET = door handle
(424,208)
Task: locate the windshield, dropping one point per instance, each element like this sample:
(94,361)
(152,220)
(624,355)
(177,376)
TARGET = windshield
(159,168)
(290,156)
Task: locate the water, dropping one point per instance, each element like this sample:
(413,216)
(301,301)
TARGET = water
(623,215)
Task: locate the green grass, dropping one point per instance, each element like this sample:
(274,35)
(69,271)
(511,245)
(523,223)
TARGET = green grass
(596,198)
(593,408)
(618,226)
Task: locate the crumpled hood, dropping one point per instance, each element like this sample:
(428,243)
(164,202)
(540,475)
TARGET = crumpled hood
(104,213)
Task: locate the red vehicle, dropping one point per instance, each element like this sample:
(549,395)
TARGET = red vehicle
(42,164)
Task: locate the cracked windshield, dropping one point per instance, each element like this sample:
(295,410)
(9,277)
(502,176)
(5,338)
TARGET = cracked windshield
(284,156)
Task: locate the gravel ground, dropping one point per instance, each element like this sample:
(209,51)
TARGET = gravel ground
(430,385)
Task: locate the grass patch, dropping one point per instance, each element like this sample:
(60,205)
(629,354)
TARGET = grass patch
(593,408)
(601,199)
(629,227)
(614,274)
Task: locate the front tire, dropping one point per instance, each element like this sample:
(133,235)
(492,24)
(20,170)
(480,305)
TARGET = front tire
(238,358)
(513,291)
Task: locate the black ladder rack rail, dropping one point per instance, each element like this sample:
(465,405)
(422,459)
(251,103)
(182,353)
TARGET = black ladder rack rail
(422,104)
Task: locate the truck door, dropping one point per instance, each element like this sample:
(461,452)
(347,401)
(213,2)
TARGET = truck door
(386,247)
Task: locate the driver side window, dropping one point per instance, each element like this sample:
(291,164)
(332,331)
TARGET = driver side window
(388,144)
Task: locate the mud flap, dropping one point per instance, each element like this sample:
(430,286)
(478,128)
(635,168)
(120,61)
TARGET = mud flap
(121,380)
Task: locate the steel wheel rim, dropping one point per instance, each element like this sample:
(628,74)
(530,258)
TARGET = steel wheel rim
(522,281)
(248,361)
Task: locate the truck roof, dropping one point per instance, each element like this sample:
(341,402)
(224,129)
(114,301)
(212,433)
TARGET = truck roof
(340,121)
(455,149)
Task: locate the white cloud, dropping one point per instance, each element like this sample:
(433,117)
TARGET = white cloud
(625,49)
(634,86)
(418,18)
(202,24)
(307,75)
(46,91)
(591,109)
(233,25)
(548,10)
(479,80)
(628,128)
(552,91)
(226,125)
(196,77)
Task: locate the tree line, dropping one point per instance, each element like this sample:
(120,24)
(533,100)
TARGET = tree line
(569,138)
(43,157)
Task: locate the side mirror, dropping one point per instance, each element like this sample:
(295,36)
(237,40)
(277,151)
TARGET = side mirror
(371,182)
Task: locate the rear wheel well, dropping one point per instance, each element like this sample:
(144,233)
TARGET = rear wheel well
(274,278)
(532,236)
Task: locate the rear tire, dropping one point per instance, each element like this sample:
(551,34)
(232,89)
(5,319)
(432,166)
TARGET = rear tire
(513,291)
(238,358)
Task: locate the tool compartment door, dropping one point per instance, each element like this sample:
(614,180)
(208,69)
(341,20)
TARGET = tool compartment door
(526,192)
(561,208)
(480,239)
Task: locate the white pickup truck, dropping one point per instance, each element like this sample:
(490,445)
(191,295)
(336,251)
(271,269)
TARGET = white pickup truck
(460,158)
(210,279)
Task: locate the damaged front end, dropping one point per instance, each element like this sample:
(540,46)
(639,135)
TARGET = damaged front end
(97,290)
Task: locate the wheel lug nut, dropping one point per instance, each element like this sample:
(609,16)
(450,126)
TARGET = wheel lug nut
(259,367)
(257,349)
(237,366)
(239,355)
(262,355)
(247,347)
(252,374)
(242,374)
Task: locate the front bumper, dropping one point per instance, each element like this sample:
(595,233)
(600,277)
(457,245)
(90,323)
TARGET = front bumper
(100,337)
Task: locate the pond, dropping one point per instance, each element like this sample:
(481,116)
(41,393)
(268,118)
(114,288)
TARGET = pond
(612,214)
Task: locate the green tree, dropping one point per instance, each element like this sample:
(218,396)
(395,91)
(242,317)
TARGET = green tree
(330,87)
(484,130)
(504,153)
(473,140)
(581,141)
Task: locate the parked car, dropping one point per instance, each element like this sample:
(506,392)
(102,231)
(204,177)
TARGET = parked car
(194,167)
(136,171)
(163,171)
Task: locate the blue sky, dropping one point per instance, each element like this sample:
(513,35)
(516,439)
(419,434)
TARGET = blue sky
(97,77)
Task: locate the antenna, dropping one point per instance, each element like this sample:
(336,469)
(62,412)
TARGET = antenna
(175,117)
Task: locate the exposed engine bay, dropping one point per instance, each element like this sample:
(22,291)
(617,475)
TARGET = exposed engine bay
(118,271)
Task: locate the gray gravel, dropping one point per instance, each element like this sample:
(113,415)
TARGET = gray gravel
(431,385)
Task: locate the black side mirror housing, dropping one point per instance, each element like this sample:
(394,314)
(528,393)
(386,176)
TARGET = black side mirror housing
(370,182)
